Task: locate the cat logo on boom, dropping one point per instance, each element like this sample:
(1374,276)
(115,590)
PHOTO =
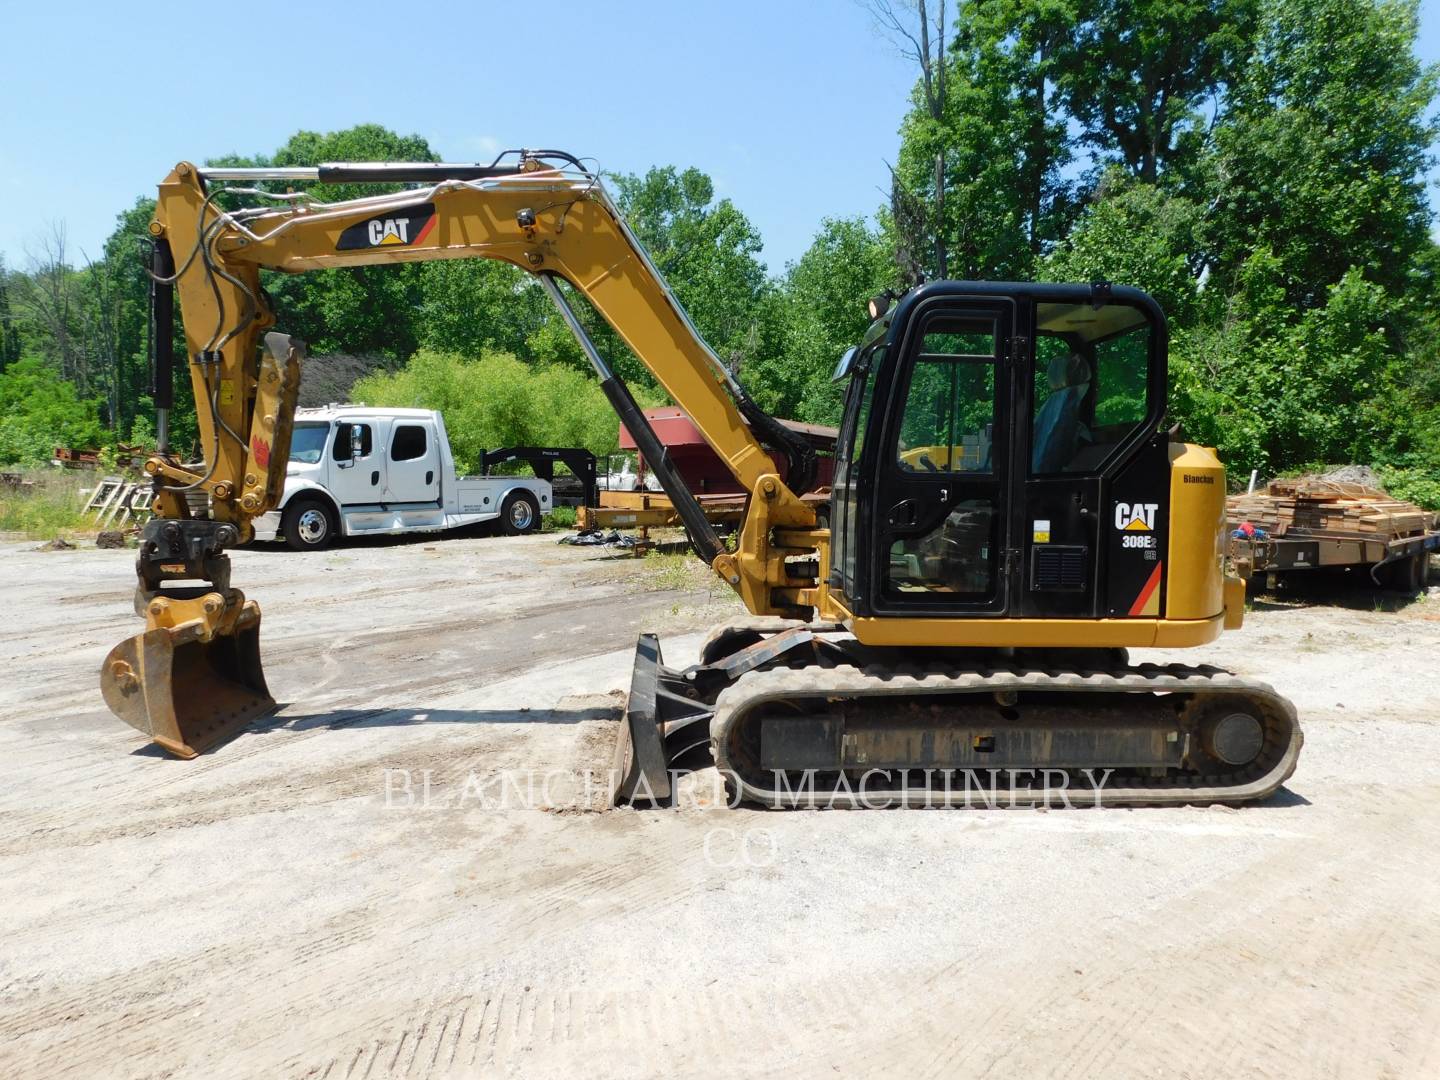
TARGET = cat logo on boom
(403,228)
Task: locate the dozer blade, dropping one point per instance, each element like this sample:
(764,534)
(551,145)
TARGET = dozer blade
(666,728)
(185,693)
(639,771)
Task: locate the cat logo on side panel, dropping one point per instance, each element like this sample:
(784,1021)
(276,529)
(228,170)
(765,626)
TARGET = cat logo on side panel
(1136,517)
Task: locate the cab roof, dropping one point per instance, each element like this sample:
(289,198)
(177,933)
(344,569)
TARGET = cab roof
(347,412)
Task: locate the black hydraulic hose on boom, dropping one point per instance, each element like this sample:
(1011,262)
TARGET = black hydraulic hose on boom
(703,537)
(800,456)
(161,329)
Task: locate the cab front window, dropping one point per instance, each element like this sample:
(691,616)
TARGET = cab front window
(307,444)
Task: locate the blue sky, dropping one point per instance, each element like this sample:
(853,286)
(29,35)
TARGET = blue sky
(791,107)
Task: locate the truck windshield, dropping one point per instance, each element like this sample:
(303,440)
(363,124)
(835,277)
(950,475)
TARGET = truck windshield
(307,444)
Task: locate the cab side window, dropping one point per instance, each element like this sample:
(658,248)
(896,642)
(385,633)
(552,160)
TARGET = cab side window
(408,442)
(949,412)
(1092,368)
(342,441)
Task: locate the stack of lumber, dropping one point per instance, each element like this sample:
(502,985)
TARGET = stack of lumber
(1310,506)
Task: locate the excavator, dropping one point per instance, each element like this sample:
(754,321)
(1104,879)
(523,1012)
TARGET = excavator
(1009,514)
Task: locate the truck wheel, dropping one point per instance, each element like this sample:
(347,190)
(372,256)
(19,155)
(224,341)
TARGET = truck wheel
(519,513)
(1406,575)
(308,525)
(1412,577)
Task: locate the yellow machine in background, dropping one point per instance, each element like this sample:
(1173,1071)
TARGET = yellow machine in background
(994,540)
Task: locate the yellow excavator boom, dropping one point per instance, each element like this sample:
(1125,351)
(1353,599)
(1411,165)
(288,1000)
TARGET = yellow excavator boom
(542,213)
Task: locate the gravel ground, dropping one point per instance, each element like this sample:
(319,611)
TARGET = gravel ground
(270,909)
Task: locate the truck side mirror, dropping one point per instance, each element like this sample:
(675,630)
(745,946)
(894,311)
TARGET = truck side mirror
(357,447)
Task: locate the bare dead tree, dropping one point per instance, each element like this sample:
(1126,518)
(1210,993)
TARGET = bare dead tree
(920,36)
(50,300)
(101,325)
(911,221)
(9,328)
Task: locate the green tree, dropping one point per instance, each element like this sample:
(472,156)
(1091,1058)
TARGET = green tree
(40,410)
(1274,392)
(707,250)
(1001,137)
(1321,157)
(125,285)
(498,400)
(471,306)
(1135,234)
(367,309)
(119,292)
(9,327)
(50,305)
(920,230)
(1138,76)
(822,313)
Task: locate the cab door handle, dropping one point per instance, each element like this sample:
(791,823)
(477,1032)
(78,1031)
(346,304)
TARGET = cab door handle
(375,478)
(905,512)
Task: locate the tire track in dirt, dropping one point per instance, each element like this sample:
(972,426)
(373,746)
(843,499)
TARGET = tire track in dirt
(1128,986)
(320,784)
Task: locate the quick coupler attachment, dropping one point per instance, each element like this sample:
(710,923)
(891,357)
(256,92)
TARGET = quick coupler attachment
(193,678)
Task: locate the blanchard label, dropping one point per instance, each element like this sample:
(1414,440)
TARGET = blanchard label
(1193,478)
(403,228)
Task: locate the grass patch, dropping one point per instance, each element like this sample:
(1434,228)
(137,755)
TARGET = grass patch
(678,571)
(559,519)
(50,505)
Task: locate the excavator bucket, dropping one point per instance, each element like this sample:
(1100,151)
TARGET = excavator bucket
(186,693)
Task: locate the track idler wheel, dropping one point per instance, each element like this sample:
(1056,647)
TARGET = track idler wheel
(1235,738)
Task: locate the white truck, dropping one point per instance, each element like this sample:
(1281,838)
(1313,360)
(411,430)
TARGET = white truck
(358,471)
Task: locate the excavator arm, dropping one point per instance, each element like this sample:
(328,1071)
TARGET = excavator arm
(194,676)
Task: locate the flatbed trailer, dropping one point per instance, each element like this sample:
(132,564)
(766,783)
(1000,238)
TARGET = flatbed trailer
(1313,523)
(652,509)
(1394,561)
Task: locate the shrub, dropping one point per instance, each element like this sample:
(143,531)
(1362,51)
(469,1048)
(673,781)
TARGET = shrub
(40,411)
(51,505)
(497,401)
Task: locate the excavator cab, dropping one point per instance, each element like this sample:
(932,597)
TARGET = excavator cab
(1008,517)
(989,433)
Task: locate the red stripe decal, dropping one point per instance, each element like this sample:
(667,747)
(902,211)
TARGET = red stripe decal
(424,232)
(1148,591)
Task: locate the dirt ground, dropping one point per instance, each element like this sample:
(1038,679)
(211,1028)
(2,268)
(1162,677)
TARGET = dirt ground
(288,906)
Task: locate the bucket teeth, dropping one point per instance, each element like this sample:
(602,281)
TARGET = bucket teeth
(185,693)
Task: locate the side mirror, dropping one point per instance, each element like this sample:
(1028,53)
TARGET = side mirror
(847,361)
(357,447)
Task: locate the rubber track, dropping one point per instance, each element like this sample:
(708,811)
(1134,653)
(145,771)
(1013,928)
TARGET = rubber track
(1258,780)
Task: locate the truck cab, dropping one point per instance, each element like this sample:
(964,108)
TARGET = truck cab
(356,470)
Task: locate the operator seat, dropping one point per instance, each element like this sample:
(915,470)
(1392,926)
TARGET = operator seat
(1057,426)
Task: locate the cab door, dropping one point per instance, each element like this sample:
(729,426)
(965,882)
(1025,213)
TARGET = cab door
(413,471)
(357,473)
(941,517)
